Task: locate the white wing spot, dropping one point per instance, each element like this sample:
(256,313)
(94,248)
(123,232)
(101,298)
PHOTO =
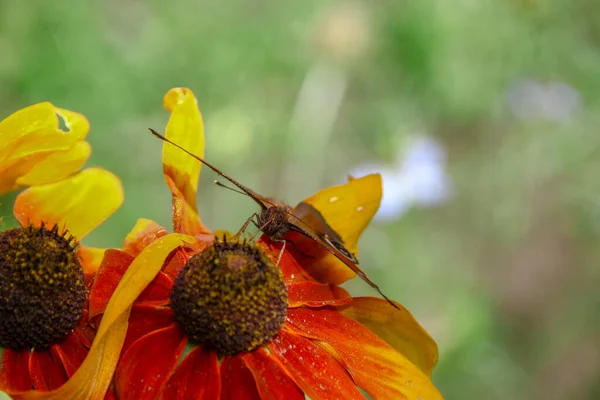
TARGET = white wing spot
(360,208)
(334,199)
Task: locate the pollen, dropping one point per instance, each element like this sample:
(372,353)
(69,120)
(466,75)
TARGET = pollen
(42,288)
(231,297)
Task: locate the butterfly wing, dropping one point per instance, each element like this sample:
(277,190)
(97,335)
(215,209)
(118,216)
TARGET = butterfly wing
(334,218)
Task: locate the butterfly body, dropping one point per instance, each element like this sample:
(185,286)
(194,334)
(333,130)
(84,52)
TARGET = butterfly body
(277,220)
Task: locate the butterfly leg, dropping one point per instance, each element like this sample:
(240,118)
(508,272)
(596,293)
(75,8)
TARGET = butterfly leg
(245,226)
(280,252)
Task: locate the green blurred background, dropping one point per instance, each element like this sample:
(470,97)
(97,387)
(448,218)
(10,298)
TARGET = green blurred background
(482,114)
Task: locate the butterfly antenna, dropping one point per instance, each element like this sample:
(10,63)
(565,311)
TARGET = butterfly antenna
(203,161)
(216,182)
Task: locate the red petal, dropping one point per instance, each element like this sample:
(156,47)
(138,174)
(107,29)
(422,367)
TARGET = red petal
(157,292)
(272,381)
(318,374)
(374,365)
(71,352)
(315,294)
(237,382)
(14,376)
(175,262)
(110,272)
(147,364)
(145,319)
(196,378)
(46,373)
(290,269)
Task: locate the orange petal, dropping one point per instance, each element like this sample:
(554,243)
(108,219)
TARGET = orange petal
(397,327)
(196,378)
(347,209)
(291,270)
(31,136)
(145,319)
(148,363)
(374,365)
(318,374)
(181,171)
(92,379)
(237,382)
(14,370)
(57,165)
(114,265)
(272,381)
(315,294)
(47,373)
(79,203)
(143,233)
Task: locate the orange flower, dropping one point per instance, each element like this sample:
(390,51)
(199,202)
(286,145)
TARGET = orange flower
(44,271)
(34,150)
(253,331)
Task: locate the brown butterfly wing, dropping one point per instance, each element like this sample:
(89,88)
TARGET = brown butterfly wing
(308,221)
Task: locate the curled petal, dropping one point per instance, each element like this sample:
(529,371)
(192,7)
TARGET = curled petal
(318,374)
(31,135)
(374,365)
(71,352)
(57,165)
(181,171)
(272,381)
(196,378)
(148,362)
(397,327)
(79,203)
(237,382)
(143,233)
(158,291)
(145,319)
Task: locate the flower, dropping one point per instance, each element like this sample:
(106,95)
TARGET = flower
(44,270)
(34,149)
(216,320)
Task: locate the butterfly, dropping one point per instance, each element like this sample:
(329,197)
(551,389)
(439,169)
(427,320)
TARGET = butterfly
(277,220)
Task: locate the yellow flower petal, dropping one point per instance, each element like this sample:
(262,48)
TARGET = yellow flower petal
(92,379)
(79,203)
(397,327)
(30,135)
(181,171)
(57,166)
(143,233)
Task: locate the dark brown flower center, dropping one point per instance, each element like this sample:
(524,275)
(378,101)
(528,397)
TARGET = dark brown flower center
(231,297)
(42,289)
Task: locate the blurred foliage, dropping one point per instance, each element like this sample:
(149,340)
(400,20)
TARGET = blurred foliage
(504,275)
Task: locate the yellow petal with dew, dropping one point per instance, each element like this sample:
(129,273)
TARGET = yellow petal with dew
(78,203)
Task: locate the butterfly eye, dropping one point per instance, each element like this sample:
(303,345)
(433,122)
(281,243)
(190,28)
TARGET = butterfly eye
(340,247)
